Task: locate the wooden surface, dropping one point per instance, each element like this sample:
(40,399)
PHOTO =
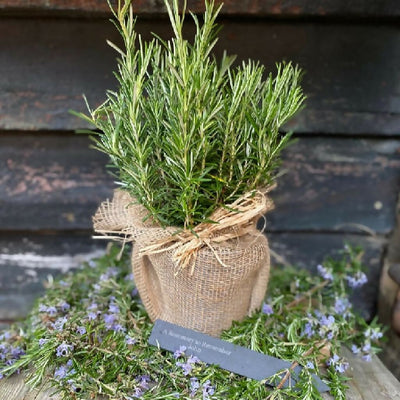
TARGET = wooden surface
(351,82)
(280,8)
(370,381)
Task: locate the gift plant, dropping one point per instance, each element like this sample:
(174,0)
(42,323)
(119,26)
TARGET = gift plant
(195,143)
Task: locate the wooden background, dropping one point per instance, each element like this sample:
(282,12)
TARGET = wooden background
(342,175)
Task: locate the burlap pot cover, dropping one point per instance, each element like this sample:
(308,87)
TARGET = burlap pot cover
(227,281)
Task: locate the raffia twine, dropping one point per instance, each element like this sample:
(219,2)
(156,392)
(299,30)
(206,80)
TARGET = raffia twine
(117,220)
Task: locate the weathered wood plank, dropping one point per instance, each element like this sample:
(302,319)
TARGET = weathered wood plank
(50,182)
(56,182)
(344,185)
(370,381)
(351,83)
(26,262)
(281,8)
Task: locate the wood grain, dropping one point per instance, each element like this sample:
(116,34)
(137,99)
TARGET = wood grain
(55,182)
(27,261)
(281,8)
(351,82)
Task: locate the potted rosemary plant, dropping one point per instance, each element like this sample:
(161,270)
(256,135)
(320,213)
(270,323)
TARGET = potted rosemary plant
(195,144)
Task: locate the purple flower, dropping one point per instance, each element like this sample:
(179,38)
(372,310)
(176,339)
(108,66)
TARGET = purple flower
(341,367)
(333,360)
(355,349)
(308,330)
(113,308)
(92,316)
(180,352)
(109,320)
(42,308)
(367,347)
(130,340)
(310,365)
(135,292)
(17,352)
(63,283)
(59,323)
(194,386)
(129,277)
(324,272)
(52,311)
(143,381)
(358,280)
(5,335)
(60,372)
(208,389)
(64,349)
(327,320)
(367,357)
(117,328)
(42,342)
(138,393)
(81,330)
(267,309)
(65,306)
(96,287)
(342,305)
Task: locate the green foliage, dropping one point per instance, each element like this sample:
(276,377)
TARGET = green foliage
(185,133)
(96,313)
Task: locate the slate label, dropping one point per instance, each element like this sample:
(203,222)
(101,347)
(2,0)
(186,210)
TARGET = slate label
(233,358)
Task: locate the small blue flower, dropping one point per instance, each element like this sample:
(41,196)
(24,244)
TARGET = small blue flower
(355,349)
(367,357)
(42,342)
(109,319)
(180,352)
(308,330)
(267,309)
(310,365)
(92,316)
(130,340)
(64,349)
(324,272)
(81,330)
(117,328)
(113,308)
(52,311)
(208,390)
(59,323)
(194,386)
(60,372)
(342,305)
(358,280)
(65,306)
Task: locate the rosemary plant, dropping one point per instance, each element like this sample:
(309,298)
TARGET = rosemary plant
(187,134)
(88,336)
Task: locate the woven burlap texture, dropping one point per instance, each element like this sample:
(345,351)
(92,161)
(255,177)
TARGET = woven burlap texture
(227,281)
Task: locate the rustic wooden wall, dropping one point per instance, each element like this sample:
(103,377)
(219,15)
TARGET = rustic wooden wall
(342,175)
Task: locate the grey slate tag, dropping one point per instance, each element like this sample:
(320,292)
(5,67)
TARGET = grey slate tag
(237,359)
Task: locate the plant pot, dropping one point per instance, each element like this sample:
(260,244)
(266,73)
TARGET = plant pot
(227,281)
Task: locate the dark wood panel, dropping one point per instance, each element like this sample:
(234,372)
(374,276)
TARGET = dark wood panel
(50,182)
(351,75)
(26,261)
(56,182)
(338,184)
(282,8)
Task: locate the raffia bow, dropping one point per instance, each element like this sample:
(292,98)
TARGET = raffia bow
(119,220)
